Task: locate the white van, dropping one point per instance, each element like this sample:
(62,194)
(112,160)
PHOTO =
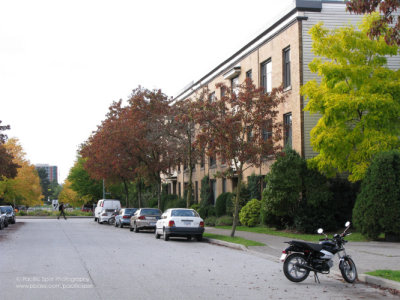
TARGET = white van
(105,208)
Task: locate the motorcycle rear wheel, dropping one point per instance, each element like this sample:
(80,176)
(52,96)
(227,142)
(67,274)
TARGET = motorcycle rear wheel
(348,269)
(292,271)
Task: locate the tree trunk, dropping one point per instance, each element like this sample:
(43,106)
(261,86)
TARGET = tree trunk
(236,208)
(126,193)
(159,189)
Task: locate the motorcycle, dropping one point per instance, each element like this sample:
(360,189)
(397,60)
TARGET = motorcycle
(301,258)
(111,220)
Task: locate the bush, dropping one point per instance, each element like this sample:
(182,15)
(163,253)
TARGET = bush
(206,211)
(221,204)
(377,207)
(195,206)
(254,185)
(224,221)
(210,221)
(174,202)
(250,213)
(205,191)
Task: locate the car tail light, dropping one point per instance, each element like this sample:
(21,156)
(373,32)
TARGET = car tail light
(171,223)
(102,204)
(126,217)
(201,224)
(104,214)
(142,218)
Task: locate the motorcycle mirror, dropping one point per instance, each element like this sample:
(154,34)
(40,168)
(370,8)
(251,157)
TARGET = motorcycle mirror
(320,231)
(347,224)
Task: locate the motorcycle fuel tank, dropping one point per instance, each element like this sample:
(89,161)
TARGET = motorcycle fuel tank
(327,254)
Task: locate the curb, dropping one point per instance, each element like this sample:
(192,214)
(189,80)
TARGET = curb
(226,244)
(363,278)
(382,282)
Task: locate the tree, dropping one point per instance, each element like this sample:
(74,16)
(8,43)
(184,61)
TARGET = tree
(241,129)
(358,98)
(380,25)
(377,207)
(183,131)
(24,188)
(44,183)
(68,195)
(80,182)
(7,167)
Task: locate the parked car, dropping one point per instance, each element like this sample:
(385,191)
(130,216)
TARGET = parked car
(105,208)
(180,222)
(145,218)
(10,213)
(3,220)
(7,216)
(124,217)
(87,208)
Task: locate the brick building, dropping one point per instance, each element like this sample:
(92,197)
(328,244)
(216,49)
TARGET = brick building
(280,54)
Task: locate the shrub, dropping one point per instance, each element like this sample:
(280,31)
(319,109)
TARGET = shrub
(221,204)
(195,206)
(254,185)
(250,213)
(224,221)
(210,221)
(377,207)
(206,211)
(205,191)
(173,201)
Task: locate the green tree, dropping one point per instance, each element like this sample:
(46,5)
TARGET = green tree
(358,98)
(377,207)
(81,182)
(44,183)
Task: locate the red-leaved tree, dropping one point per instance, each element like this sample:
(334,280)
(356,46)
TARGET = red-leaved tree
(387,8)
(240,128)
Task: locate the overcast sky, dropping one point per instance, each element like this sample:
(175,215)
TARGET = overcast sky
(62,63)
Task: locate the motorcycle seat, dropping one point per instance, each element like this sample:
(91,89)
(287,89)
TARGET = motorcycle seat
(307,246)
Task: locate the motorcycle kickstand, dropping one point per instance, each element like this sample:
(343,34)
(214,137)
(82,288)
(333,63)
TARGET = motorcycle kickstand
(316,279)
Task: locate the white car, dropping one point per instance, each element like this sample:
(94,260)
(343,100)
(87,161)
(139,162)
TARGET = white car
(180,222)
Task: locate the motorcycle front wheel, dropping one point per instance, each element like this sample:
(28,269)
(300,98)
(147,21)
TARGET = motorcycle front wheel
(292,269)
(348,269)
(111,221)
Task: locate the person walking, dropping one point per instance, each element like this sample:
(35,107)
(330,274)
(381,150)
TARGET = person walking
(61,209)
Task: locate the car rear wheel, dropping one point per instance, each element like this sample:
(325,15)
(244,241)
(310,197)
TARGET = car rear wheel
(189,238)
(95,219)
(199,237)
(156,234)
(130,229)
(120,224)
(165,236)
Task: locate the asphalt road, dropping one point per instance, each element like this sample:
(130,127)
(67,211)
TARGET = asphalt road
(80,259)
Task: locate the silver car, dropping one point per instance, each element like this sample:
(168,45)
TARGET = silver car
(145,218)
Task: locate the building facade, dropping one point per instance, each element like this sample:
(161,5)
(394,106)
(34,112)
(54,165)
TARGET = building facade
(52,171)
(278,55)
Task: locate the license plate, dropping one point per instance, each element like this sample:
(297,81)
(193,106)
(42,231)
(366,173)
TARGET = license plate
(152,224)
(187,223)
(283,257)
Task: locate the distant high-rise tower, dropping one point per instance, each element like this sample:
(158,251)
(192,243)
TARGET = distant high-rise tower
(52,171)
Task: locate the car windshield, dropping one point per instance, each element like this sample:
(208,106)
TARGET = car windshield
(3,210)
(183,213)
(130,211)
(9,209)
(149,212)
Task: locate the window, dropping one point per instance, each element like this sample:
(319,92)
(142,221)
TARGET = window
(202,160)
(179,189)
(287,120)
(223,92)
(249,133)
(235,85)
(213,161)
(266,76)
(267,132)
(249,74)
(224,185)
(211,97)
(286,67)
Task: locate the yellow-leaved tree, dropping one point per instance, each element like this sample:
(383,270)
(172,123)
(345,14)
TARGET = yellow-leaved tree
(25,188)
(68,195)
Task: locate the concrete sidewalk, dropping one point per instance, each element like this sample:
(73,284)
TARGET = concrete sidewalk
(368,256)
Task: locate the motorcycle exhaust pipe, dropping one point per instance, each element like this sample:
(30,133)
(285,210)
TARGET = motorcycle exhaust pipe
(300,266)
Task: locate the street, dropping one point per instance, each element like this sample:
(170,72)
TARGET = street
(80,259)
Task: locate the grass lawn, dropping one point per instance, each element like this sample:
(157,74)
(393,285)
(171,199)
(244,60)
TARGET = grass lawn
(387,274)
(354,237)
(236,240)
